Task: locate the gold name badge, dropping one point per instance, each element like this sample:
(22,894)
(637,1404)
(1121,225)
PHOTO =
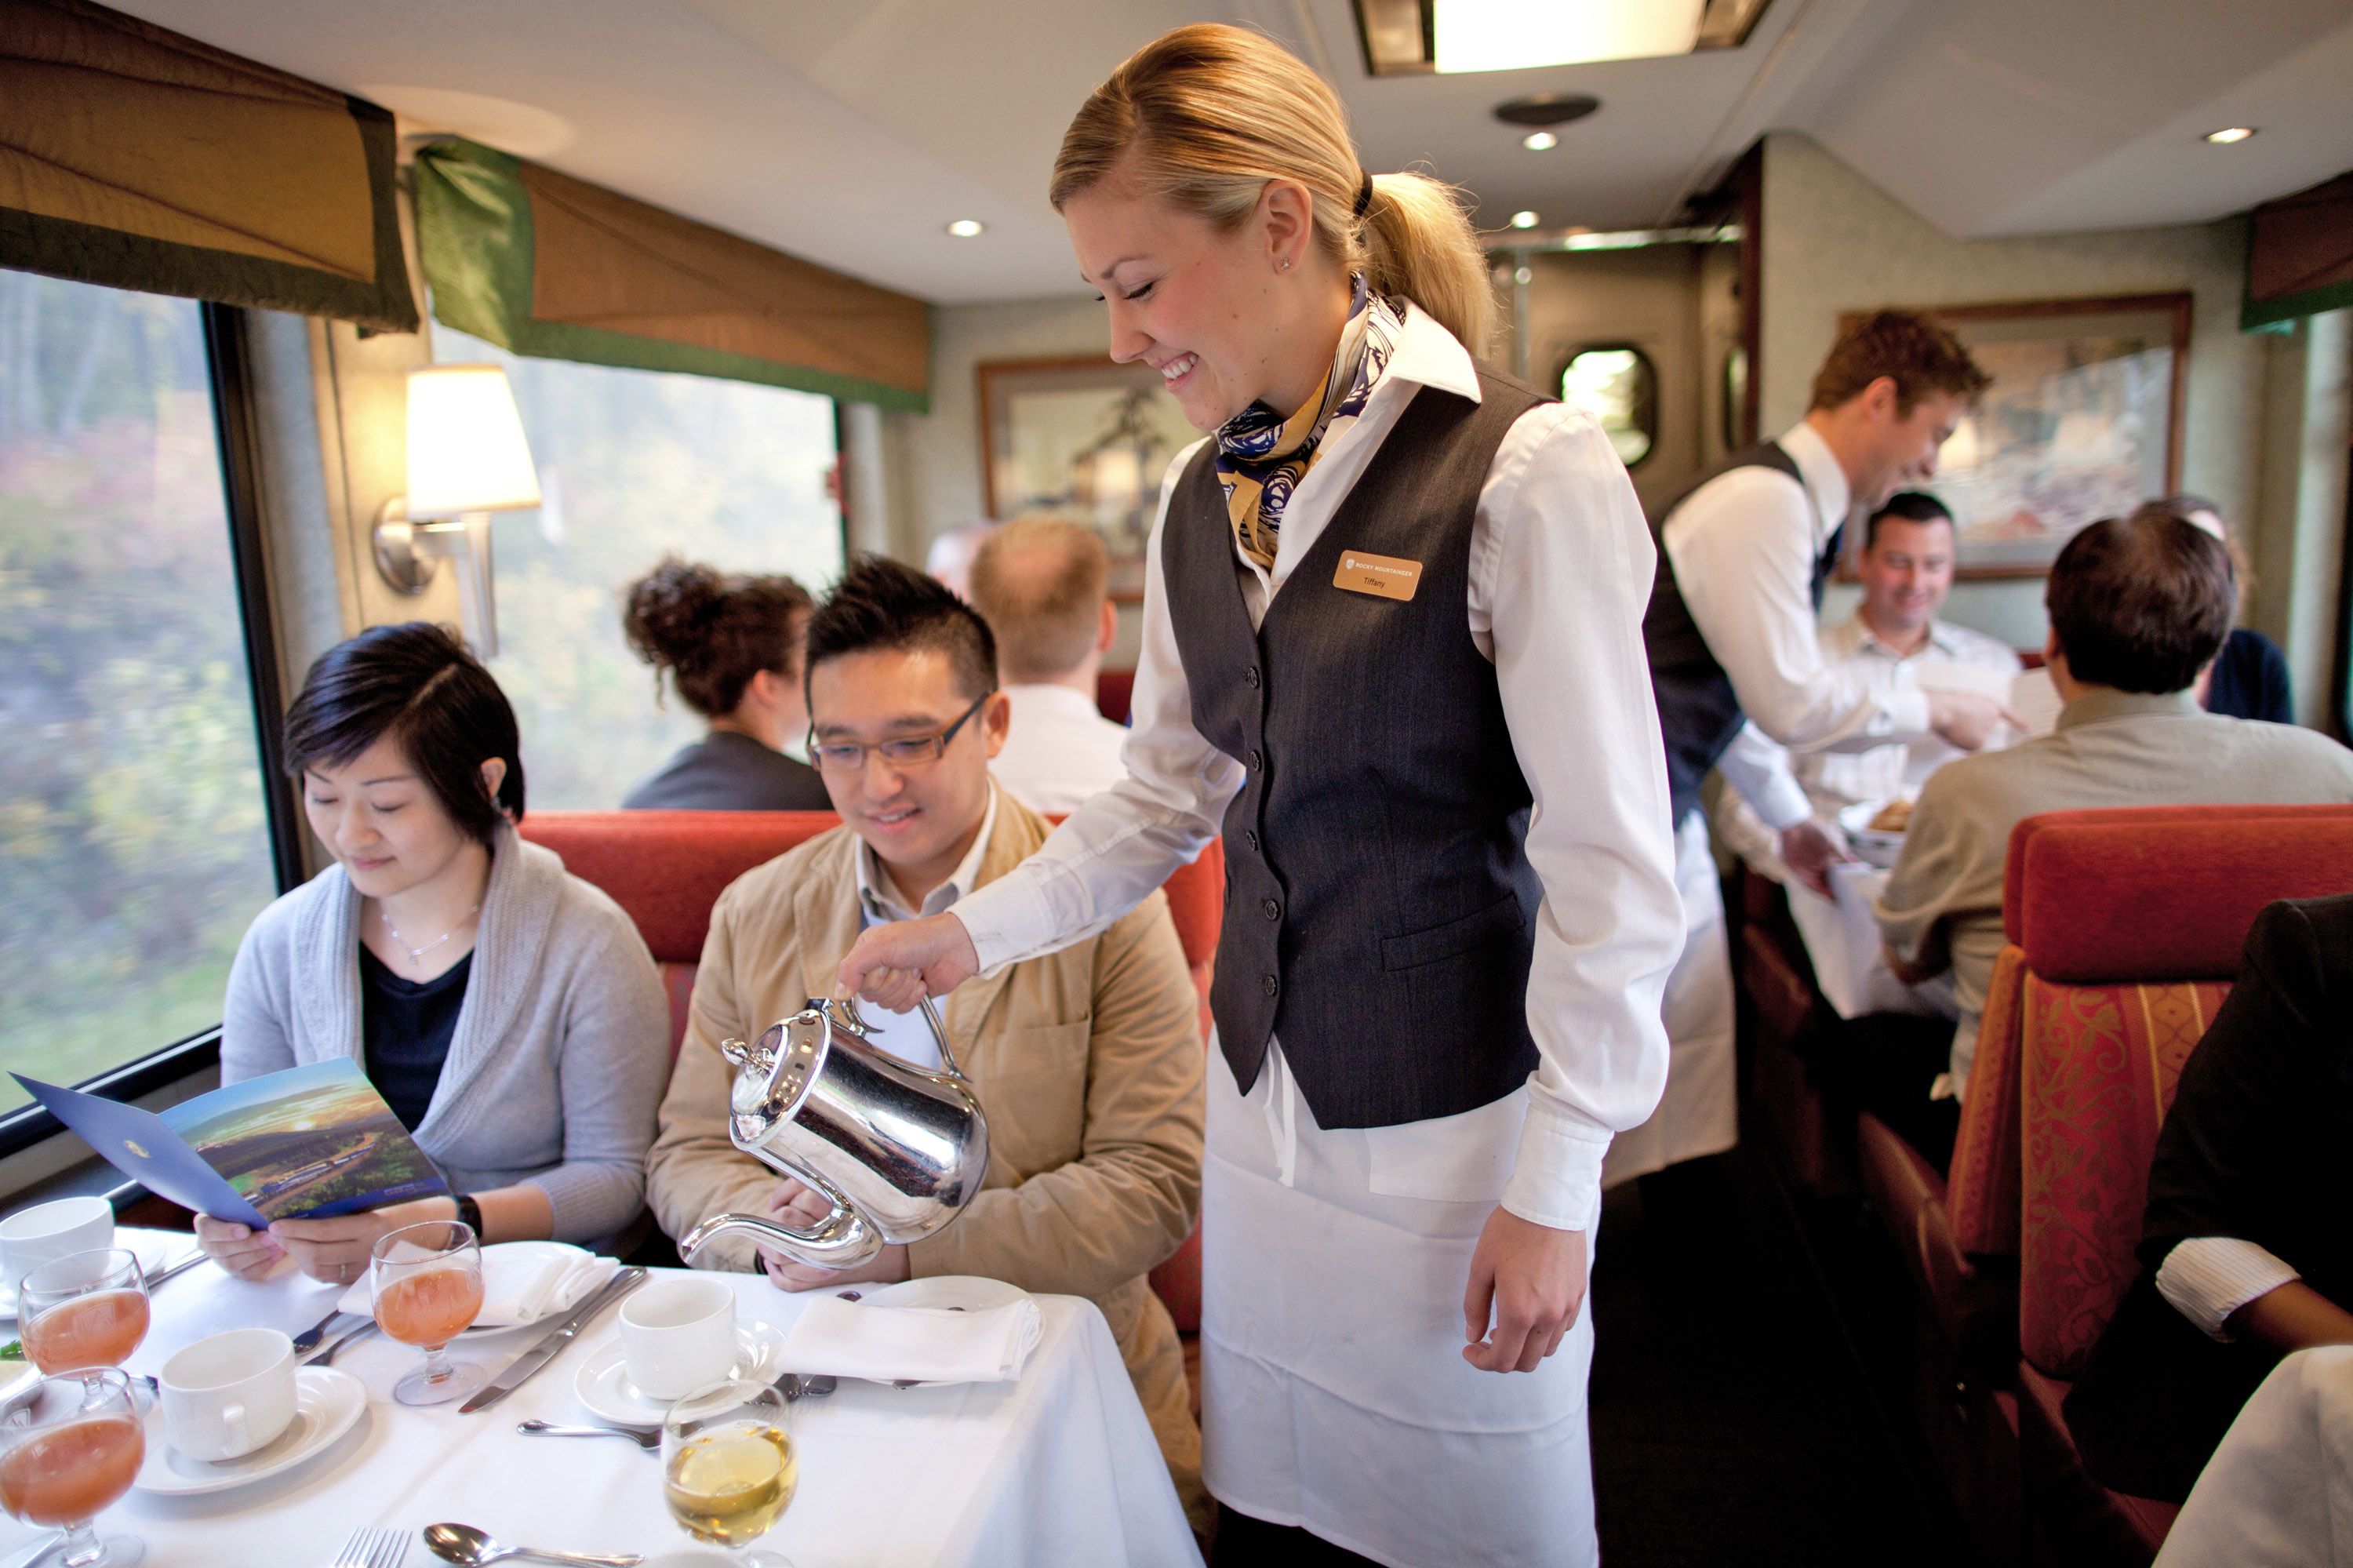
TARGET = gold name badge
(1383,576)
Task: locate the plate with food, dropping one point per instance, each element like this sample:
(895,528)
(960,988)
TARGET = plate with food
(1875,829)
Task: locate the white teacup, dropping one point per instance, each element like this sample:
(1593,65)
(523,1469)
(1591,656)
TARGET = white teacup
(225,1396)
(677,1334)
(31,1238)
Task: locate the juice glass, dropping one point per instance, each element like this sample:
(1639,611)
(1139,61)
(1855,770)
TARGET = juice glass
(729,1466)
(427,1281)
(84,1310)
(69,1447)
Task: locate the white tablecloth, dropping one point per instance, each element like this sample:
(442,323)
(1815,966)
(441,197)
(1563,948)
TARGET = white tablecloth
(1850,960)
(1060,1467)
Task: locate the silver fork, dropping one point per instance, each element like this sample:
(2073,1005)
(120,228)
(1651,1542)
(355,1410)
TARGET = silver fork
(369,1548)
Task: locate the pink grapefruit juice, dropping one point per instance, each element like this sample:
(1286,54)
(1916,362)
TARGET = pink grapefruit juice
(431,1307)
(73,1473)
(95,1331)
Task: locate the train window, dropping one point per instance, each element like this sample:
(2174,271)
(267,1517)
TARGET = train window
(635,464)
(1619,386)
(133,826)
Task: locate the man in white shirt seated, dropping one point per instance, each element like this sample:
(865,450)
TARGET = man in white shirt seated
(1906,569)
(1038,582)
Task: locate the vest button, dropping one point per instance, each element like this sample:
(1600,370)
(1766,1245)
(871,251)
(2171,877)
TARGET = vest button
(1257,759)
(1250,841)
(1250,676)
(1273,910)
(1267,984)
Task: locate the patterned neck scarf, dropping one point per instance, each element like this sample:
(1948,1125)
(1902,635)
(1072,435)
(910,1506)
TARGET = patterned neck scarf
(1263,454)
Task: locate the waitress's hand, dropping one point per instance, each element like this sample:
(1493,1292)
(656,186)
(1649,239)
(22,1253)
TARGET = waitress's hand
(1530,1280)
(246,1253)
(897,965)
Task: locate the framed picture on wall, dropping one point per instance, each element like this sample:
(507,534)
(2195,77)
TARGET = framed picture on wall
(2083,421)
(1083,438)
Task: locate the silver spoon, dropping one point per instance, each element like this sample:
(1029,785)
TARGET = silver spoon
(462,1544)
(646,1438)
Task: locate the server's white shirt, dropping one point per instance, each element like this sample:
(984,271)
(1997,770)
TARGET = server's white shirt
(1744,547)
(1058,751)
(1561,565)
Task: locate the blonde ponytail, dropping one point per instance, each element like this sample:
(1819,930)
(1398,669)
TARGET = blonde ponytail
(1206,115)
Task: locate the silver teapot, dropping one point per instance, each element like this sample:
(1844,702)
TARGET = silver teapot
(898,1149)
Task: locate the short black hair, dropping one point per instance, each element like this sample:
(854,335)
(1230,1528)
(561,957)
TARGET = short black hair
(881,604)
(417,684)
(1906,507)
(2141,603)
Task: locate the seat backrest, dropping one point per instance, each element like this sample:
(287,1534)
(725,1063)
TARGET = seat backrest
(2128,924)
(666,869)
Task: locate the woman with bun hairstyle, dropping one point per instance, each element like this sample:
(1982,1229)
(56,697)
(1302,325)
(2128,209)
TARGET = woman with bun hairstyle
(507,1010)
(1392,654)
(732,646)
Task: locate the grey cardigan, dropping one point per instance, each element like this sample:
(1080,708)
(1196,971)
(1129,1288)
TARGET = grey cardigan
(561,1049)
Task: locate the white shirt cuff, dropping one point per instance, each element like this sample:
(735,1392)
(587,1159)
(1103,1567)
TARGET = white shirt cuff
(1785,804)
(2207,1278)
(1557,1176)
(1908,712)
(1008,920)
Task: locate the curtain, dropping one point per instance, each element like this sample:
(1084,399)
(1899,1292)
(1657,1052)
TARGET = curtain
(2300,255)
(544,264)
(134,157)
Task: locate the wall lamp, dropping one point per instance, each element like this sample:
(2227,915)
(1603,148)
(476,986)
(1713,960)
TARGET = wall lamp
(467,459)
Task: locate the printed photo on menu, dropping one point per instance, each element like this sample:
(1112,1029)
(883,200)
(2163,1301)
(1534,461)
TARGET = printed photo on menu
(306,1143)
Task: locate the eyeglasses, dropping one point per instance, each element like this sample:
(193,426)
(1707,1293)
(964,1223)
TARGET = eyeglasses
(907,751)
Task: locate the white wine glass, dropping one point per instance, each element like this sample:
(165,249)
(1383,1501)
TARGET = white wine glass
(70,1445)
(84,1310)
(427,1281)
(729,1466)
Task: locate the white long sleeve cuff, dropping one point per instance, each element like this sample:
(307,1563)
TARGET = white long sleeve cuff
(2207,1278)
(1557,1176)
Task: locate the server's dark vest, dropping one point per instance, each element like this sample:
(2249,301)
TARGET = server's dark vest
(1698,714)
(1379,908)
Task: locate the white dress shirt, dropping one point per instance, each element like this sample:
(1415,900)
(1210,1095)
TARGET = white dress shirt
(905,1034)
(1059,750)
(1560,574)
(1744,547)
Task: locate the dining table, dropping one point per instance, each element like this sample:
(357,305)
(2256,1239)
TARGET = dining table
(1057,1466)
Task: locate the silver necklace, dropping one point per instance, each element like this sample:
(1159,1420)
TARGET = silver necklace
(416,954)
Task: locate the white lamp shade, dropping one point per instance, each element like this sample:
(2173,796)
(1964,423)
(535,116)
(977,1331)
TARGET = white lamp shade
(466,447)
(1517,34)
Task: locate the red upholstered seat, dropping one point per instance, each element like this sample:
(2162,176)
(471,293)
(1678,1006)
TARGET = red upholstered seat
(1114,694)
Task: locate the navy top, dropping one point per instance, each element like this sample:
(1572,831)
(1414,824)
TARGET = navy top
(405,1027)
(728,771)
(2250,680)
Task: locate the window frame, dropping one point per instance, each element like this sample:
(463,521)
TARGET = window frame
(1642,355)
(229,375)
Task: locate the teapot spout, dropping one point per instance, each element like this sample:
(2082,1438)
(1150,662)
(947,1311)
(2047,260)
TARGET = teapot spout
(841,1239)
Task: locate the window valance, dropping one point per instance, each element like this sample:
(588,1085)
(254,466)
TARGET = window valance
(2300,255)
(135,157)
(545,264)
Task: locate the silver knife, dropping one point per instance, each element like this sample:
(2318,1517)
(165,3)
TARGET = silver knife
(523,1367)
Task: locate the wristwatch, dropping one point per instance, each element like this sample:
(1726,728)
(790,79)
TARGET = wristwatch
(469,1212)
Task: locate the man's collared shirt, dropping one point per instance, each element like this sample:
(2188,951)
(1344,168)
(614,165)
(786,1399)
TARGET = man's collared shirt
(1059,750)
(905,1034)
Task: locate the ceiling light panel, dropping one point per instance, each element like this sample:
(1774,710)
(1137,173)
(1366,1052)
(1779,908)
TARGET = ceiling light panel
(1520,35)
(1397,37)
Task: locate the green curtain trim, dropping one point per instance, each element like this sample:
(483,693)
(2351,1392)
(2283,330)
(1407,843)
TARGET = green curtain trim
(2259,313)
(86,253)
(474,231)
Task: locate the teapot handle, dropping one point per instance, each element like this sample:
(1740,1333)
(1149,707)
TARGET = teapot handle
(849,1005)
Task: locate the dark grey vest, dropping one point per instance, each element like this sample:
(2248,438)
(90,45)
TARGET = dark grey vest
(1379,909)
(1698,714)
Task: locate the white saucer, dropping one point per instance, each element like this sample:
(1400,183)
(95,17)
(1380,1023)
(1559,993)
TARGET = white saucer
(497,1258)
(153,1249)
(326,1402)
(947,1292)
(605,1390)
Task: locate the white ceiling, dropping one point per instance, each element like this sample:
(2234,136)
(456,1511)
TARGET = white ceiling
(851,133)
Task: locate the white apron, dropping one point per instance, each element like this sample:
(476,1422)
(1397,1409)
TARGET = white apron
(1333,1392)
(1699,1114)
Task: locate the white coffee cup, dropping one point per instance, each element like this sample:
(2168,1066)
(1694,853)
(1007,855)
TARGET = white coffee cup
(677,1334)
(31,1238)
(225,1396)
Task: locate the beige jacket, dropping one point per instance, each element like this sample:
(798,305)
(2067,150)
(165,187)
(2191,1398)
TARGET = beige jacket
(1088,1062)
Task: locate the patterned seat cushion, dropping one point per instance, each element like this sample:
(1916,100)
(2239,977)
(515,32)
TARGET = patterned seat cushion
(2100,1064)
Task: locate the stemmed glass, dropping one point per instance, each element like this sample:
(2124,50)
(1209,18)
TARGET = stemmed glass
(729,1466)
(84,1310)
(427,1280)
(70,1446)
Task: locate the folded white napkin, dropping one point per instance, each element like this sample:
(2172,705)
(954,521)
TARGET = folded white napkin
(522,1282)
(928,1344)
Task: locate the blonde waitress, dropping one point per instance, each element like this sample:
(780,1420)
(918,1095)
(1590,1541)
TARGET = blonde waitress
(1392,652)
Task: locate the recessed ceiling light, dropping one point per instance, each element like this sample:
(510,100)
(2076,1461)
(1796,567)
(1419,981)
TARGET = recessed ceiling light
(966,228)
(2230,133)
(1523,220)
(1539,141)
